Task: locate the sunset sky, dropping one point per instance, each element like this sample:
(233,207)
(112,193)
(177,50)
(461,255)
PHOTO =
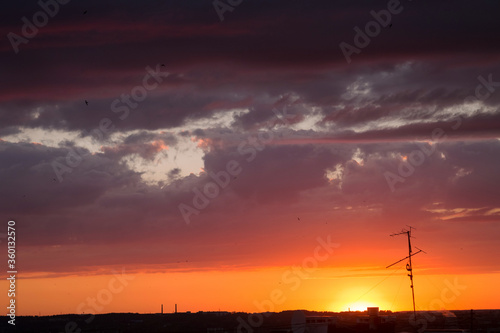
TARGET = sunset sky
(250,157)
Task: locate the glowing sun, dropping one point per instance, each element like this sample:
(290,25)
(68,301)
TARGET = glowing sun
(358,306)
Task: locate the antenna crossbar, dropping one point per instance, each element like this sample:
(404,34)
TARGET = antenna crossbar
(409,267)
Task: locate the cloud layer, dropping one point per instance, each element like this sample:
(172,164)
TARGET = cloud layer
(406,133)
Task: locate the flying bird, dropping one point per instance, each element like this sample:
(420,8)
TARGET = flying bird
(85,12)
(86,103)
(298,218)
(390,25)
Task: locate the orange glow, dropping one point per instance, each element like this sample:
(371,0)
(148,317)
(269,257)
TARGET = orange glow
(159,145)
(204,144)
(250,291)
(358,306)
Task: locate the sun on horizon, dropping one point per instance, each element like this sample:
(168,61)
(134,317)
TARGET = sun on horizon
(358,306)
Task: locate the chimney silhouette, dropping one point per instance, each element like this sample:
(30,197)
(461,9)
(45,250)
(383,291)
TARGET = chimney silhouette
(175,308)
(162,309)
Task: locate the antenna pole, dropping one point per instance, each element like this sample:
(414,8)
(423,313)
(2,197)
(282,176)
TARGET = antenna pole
(409,267)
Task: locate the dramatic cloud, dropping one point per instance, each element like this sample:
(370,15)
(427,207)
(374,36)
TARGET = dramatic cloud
(156,136)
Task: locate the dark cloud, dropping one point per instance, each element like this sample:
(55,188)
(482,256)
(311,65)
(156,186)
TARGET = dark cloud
(363,120)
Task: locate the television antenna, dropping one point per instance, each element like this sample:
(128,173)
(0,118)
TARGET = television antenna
(409,267)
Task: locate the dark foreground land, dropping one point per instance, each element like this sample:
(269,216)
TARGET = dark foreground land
(487,321)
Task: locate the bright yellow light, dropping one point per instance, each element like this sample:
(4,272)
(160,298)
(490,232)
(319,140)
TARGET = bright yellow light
(358,306)
(358,299)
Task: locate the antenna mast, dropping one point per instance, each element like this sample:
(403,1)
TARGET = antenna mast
(409,267)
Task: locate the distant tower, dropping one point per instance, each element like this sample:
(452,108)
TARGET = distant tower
(162,309)
(175,308)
